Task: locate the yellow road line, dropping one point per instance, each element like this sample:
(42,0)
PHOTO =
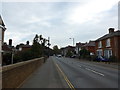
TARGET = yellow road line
(66,79)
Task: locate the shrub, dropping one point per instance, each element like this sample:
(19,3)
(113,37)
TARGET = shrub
(113,59)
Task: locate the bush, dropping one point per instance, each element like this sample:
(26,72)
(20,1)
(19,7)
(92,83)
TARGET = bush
(93,58)
(7,57)
(113,59)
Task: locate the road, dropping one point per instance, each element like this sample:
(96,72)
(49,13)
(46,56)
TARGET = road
(59,72)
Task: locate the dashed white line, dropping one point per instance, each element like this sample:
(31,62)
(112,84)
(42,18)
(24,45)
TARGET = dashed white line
(79,66)
(95,71)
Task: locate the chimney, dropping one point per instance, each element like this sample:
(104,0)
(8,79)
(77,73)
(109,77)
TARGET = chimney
(27,42)
(10,42)
(111,30)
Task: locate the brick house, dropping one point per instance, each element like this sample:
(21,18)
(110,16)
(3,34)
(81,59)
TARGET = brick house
(109,44)
(90,47)
(24,47)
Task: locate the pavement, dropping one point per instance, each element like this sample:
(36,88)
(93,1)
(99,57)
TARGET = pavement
(46,76)
(59,72)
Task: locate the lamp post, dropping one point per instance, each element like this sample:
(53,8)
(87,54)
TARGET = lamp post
(73,40)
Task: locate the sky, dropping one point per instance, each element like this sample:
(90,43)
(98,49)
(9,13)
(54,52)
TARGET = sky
(60,20)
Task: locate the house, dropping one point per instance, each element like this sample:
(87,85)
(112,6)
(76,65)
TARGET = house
(2,30)
(24,47)
(65,50)
(8,48)
(109,44)
(79,47)
(90,47)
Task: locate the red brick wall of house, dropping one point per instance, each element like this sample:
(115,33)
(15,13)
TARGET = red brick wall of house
(96,46)
(91,49)
(115,46)
(25,48)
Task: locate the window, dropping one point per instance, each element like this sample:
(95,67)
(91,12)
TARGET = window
(99,52)
(108,43)
(107,53)
(100,44)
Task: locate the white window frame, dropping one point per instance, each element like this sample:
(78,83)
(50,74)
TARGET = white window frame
(99,52)
(108,53)
(100,44)
(108,42)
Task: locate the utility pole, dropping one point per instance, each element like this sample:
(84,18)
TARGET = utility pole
(73,40)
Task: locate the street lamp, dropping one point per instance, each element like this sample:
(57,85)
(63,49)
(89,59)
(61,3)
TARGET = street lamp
(73,40)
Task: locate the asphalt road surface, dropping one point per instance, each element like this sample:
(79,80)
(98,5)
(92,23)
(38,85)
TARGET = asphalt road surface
(59,72)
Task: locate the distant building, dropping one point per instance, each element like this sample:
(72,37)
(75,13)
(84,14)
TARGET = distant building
(79,47)
(23,47)
(65,50)
(7,48)
(90,47)
(109,44)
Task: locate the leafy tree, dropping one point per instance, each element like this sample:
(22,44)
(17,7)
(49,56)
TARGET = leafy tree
(69,53)
(56,50)
(84,53)
(7,58)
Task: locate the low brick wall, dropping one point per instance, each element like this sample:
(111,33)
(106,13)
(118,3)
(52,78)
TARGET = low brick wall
(13,75)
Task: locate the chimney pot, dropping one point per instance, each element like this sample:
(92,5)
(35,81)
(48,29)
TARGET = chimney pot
(10,42)
(111,30)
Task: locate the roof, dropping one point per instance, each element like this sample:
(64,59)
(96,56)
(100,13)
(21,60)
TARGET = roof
(67,47)
(25,46)
(116,33)
(91,43)
(6,48)
(80,44)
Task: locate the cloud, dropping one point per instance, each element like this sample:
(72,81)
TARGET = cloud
(81,14)
(83,20)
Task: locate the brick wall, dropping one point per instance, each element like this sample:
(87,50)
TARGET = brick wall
(115,46)
(14,75)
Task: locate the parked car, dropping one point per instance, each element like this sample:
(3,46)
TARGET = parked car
(101,58)
(59,55)
(73,56)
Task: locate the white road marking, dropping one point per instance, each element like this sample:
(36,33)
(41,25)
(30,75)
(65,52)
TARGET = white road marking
(95,71)
(79,66)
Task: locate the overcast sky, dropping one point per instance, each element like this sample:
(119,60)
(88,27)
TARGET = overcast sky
(84,20)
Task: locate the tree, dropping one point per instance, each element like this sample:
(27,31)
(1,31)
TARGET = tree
(56,50)
(84,53)
(69,53)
